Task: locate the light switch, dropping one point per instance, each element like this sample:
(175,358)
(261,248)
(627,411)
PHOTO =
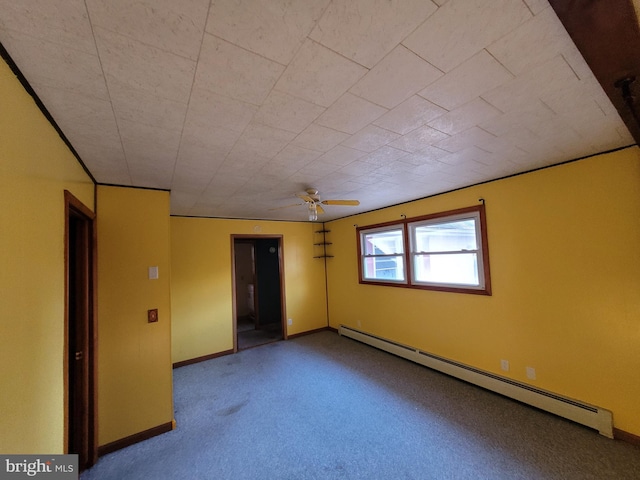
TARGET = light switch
(153,273)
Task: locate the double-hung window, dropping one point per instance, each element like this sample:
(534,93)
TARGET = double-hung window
(444,251)
(383,255)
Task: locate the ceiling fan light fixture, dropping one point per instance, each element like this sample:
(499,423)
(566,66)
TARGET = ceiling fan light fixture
(313,212)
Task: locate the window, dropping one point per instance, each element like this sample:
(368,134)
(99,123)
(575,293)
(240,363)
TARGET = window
(444,251)
(383,254)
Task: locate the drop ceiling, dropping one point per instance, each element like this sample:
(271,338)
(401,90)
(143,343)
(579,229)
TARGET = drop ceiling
(235,106)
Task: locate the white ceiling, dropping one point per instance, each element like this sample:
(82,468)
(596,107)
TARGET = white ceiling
(237,105)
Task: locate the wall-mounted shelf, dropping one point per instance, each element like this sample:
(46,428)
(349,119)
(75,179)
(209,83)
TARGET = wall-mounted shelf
(323,244)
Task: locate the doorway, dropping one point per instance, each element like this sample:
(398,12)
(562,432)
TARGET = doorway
(258,291)
(80,332)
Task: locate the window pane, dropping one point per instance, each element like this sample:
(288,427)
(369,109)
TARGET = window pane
(446,237)
(384,268)
(456,268)
(383,243)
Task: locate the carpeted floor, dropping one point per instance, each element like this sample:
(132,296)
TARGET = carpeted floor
(326,407)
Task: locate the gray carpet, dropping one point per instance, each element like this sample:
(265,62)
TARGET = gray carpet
(324,407)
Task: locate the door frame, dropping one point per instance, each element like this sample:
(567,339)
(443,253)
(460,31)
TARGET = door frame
(74,208)
(246,237)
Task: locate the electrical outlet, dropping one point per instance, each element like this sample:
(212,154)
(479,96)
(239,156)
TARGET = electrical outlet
(359,323)
(504,365)
(290,321)
(531,373)
(152,315)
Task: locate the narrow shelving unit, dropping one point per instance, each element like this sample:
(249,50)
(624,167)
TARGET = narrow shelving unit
(324,243)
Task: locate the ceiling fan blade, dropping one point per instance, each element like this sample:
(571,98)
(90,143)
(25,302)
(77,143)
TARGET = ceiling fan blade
(319,209)
(287,206)
(306,198)
(341,202)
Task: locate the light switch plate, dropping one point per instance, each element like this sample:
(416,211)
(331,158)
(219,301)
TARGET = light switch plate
(153,273)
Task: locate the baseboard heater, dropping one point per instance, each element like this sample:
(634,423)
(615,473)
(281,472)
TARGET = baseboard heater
(579,412)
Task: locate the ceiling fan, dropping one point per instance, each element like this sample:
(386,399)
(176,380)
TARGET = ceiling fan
(311,198)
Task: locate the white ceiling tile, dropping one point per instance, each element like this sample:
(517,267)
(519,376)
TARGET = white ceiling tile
(418,139)
(370,179)
(46,63)
(395,167)
(238,163)
(74,107)
(536,6)
(426,155)
(65,23)
(527,88)
(267,141)
(151,162)
(370,138)
(528,141)
(461,28)
(329,184)
(151,175)
(575,59)
(319,169)
(384,155)
(478,75)
(165,24)
(195,166)
(243,153)
(466,116)
(158,143)
(182,202)
(89,124)
(340,155)
(409,115)
(317,137)
(229,142)
(502,147)
(141,106)
(366,30)
(279,169)
(464,139)
(467,155)
(538,40)
(296,157)
(350,114)
(358,168)
(218,139)
(272,28)
(286,112)
(529,114)
(319,75)
(103,157)
(234,72)
(144,67)
(211,109)
(395,78)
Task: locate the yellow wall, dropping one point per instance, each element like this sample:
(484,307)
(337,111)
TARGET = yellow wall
(201,285)
(565,268)
(35,169)
(134,357)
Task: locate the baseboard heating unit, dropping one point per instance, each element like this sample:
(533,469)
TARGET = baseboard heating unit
(579,412)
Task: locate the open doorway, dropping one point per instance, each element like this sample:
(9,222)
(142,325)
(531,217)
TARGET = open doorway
(80,332)
(258,291)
